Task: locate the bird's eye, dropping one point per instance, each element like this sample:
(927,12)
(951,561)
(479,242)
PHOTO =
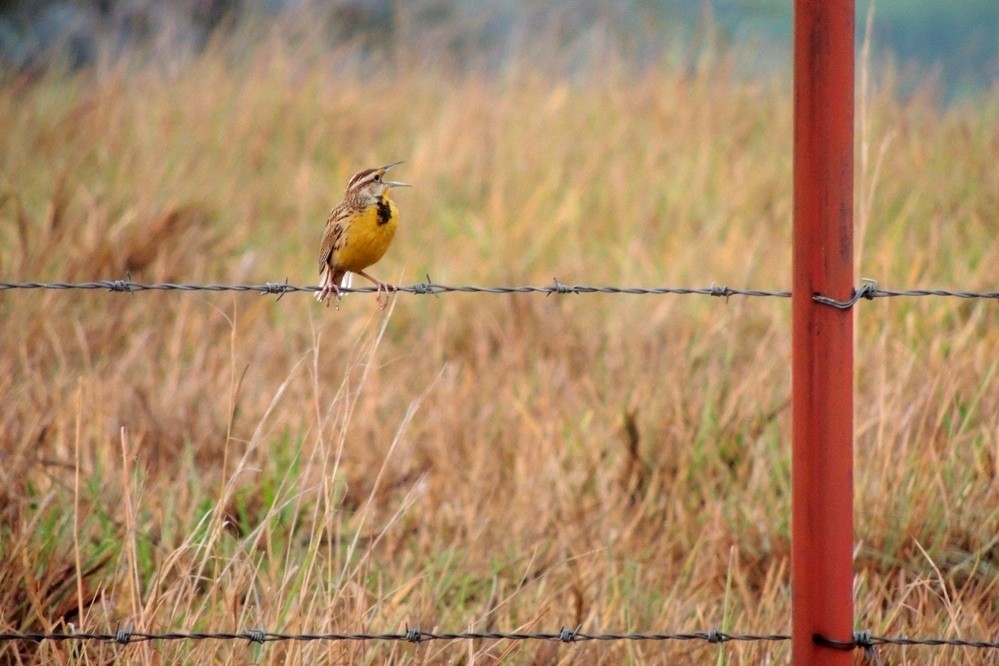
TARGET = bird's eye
(378,177)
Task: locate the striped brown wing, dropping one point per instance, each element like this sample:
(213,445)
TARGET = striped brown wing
(334,237)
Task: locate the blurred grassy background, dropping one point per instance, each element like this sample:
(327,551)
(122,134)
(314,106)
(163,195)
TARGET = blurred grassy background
(952,45)
(222,461)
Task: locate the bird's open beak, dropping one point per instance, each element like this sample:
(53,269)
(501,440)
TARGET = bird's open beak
(393,183)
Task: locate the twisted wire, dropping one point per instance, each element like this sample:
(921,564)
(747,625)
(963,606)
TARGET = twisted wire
(259,636)
(868,290)
(861,640)
(423,288)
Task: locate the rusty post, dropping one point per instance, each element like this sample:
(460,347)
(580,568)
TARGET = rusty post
(822,336)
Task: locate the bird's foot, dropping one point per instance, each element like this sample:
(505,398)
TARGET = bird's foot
(383,294)
(330,293)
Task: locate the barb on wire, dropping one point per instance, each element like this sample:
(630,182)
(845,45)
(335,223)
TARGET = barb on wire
(566,635)
(258,636)
(862,640)
(123,636)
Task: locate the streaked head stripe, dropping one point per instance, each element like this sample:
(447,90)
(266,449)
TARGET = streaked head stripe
(360,177)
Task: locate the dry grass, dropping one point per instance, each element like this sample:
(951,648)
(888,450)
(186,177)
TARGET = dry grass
(221,462)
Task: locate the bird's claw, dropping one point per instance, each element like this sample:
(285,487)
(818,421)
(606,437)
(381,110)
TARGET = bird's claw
(383,294)
(323,295)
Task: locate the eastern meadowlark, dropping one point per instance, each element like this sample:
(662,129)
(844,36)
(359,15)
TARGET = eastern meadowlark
(358,232)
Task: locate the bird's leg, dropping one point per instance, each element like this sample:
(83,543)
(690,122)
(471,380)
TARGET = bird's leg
(383,290)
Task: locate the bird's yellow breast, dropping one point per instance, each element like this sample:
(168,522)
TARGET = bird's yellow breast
(368,236)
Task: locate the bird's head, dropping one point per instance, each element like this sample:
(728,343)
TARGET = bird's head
(368,186)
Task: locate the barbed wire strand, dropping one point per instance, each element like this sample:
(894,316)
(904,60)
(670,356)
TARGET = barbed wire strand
(420,288)
(862,640)
(564,635)
(867,290)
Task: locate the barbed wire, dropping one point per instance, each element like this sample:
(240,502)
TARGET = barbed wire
(564,635)
(861,640)
(420,288)
(868,290)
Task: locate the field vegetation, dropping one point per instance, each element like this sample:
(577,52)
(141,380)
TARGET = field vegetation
(220,462)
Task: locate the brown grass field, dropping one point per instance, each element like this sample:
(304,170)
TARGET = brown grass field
(220,462)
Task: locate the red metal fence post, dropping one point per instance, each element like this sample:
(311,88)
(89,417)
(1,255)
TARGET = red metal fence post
(822,336)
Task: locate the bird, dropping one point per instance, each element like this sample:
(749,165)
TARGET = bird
(359,230)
